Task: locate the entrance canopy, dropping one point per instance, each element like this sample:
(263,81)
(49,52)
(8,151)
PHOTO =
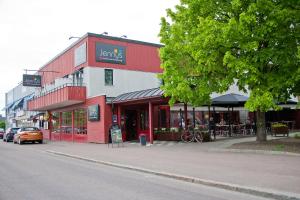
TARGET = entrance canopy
(141,95)
(229,100)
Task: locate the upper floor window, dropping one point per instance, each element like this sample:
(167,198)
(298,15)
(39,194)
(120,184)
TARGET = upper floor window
(108,76)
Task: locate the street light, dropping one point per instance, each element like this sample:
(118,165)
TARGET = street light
(124,36)
(73,37)
(104,33)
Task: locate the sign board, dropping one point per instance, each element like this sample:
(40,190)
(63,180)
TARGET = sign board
(110,53)
(94,113)
(32,80)
(115,119)
(80,55)
(116,135)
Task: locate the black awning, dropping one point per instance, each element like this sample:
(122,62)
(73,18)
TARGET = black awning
(139,95)
(229,100)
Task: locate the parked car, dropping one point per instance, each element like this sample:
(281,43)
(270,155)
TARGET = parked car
(9,134)
(1,133)
(28,134)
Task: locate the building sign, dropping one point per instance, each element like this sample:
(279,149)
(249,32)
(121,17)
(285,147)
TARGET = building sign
(94,113)
(80,55)
(32,80)
(110,53)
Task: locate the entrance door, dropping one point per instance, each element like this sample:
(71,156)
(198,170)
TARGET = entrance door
(131,124)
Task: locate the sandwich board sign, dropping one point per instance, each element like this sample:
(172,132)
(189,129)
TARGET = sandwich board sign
(116,136)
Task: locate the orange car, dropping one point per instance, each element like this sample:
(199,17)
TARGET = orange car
(28,134)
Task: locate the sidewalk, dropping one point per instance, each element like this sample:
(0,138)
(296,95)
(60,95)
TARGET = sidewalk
(206,161)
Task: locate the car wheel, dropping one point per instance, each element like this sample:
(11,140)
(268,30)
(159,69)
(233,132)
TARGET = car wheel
(19,141)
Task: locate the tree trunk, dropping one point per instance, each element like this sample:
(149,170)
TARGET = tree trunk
(261,135)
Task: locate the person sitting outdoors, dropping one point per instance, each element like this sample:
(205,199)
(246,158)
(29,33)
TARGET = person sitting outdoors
(212,127)
(222,122)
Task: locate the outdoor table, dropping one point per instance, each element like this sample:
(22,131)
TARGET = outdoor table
(223,129)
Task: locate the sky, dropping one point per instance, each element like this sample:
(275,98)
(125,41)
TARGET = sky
(34,31)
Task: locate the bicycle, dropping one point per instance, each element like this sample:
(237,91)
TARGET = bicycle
(192,135)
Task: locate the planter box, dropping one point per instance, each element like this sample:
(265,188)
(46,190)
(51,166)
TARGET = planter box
(280,131)
(168,136)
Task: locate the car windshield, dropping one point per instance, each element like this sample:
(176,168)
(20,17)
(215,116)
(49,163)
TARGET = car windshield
(1,129)
(30,129)
(14,130)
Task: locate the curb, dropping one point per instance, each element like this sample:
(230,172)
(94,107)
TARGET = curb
(221,185)
(255,151)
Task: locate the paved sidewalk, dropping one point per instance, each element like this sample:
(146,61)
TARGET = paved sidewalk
(207,161)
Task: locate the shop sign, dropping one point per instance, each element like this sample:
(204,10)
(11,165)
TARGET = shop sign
(94,113)
(115,119)
(32,80)
(80,55)
(110,53)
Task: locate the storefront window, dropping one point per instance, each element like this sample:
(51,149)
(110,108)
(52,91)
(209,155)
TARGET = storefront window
(80,122)
(55,122)
(144,120)
(108,77)
(66,122)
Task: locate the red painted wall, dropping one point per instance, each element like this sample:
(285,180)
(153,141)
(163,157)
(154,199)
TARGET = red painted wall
(98,130)
(62,95)
(138,57)
(64,64)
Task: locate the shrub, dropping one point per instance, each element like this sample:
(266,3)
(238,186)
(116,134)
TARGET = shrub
(297,136)
(206,136)
(279,125)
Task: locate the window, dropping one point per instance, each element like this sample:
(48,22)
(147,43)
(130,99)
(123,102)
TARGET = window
(66,122)
(108,76)
(55,122)
(80,122)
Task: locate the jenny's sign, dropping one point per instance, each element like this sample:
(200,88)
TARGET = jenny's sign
(32,80)
(110,53)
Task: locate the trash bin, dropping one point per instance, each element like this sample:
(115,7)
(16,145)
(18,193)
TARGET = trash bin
(143,139)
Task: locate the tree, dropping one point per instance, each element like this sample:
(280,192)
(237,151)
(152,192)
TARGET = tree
(2,124)
(212,44)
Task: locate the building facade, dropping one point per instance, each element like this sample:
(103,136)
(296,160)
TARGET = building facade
(79,84)
(100,80)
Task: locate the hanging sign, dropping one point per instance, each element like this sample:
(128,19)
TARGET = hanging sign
(32,80)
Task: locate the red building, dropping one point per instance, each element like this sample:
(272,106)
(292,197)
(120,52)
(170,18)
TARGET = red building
(79,84)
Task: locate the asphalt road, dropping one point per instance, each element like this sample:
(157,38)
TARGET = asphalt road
(30,174)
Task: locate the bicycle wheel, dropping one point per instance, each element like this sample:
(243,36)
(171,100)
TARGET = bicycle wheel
(187,136)
(198,137)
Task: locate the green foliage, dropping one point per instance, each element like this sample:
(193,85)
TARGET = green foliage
(2,124)
(206,136)
(279,125)
(279,147)
(297,136)
(212,44)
